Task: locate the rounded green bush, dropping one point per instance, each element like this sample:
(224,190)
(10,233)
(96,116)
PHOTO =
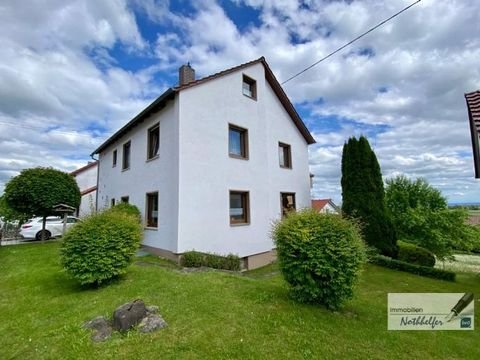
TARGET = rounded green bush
(127,209)
(320,256)
(101,247)
(414,254)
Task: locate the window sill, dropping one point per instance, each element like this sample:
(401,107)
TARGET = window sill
(153,158)
(150,228)
(233,156)
(250,97)
(286,167)
(126,169)
(239,224)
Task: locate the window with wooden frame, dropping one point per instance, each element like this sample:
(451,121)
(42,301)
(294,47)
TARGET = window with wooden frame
(126,156)
(249,87)
(237,142)
(239,207)
(152,210)
(287,202)
(285,155)
(153,142)
(124,199)
(114,159)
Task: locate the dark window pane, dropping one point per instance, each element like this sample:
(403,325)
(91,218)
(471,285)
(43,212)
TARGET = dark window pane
(238,207)
(126,155)
(152,210)
(288,203)
(235,142)
(153,142)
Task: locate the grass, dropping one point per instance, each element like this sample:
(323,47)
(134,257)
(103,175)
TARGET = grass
(211,315)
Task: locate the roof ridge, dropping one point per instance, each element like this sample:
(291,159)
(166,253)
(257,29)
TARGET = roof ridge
(217,74)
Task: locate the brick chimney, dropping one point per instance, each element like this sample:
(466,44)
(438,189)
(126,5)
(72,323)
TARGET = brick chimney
(185,74)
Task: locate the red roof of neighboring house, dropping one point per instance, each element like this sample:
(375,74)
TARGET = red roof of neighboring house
(321,203)
(473,105)
(169,94)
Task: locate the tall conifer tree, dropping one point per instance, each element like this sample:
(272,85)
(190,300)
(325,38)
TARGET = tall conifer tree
(364,197)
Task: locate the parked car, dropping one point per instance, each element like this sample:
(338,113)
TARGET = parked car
(32,229)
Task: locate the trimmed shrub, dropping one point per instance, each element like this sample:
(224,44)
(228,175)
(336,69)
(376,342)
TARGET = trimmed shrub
(127,208)
(192,259)
(101,247)
(320,256)
(414,254)
(414,269)
(198,259)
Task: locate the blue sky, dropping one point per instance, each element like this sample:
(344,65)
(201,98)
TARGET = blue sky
(74,72)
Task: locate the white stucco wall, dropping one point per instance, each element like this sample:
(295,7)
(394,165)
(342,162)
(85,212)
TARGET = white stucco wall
(160,174)
(87,179)
(328,209)
(207,173)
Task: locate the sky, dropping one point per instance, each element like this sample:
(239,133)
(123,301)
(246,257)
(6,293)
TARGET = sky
(74,72)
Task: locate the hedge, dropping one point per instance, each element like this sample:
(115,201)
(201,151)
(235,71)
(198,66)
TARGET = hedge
(198,259)
(414,254)
(414,269)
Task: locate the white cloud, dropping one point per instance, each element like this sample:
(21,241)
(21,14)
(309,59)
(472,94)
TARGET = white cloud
(423,62)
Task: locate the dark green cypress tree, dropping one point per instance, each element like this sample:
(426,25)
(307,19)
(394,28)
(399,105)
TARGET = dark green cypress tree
(364,197)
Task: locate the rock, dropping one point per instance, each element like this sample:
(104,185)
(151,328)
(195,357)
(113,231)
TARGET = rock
(152,309)
(96,323)
(102,327)
(151,323)
(129,315)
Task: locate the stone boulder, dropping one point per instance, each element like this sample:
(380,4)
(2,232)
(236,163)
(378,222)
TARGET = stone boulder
(102,328)
(151,323)
(128,315)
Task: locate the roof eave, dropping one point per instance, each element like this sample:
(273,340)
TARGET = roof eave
(155,106)
(277,88)
(475,140)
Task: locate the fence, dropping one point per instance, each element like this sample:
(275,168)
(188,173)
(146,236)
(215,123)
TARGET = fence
(9,231)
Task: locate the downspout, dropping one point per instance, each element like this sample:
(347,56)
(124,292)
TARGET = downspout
(98,173)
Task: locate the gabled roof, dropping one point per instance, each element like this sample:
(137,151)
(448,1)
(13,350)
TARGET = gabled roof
(473,106)
(321,203)
(83,168)
(161,101)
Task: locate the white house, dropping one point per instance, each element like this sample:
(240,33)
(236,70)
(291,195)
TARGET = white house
(325,206)
(211,163)
(86,178)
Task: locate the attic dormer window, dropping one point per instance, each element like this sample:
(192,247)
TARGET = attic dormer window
(249,87)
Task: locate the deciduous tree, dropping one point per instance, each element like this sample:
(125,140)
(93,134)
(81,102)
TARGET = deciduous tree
(35,191)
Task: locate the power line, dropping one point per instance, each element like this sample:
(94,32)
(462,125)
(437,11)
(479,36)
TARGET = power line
(352,41)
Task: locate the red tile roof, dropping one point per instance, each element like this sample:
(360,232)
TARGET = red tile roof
(321,203)
(473,106)
(169,94)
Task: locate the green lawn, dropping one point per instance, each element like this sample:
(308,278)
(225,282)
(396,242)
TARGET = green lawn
(211,315)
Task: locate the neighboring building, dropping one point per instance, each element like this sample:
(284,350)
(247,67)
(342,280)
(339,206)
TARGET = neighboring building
(325,206)
(86,178)
(210,163)
(473,105)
